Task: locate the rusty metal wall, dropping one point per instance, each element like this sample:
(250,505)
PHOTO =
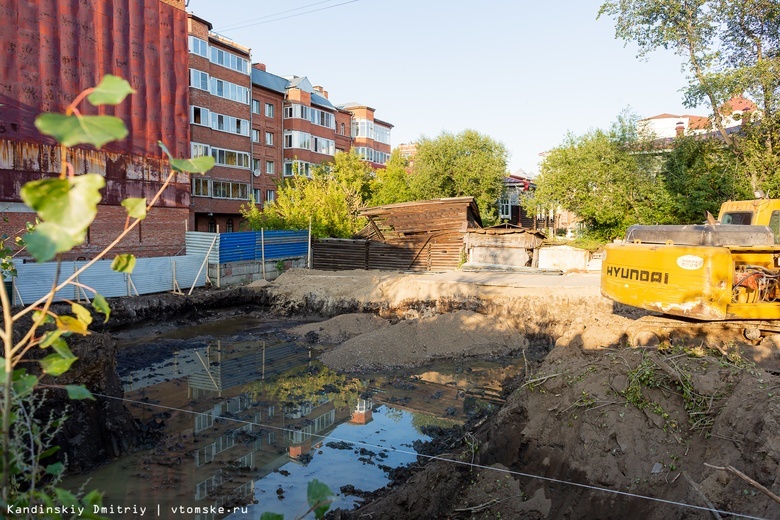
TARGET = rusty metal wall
(50,50)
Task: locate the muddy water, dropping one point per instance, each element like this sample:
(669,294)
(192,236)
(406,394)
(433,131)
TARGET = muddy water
(240,418)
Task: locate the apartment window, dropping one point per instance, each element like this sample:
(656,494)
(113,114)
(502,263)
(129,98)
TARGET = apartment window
(199,116)
(295,139)
(325,146)
(504,208)
(269,167)
(257,194)
(297,168)
(230,158)
(269,139)
(199,150)
(231,61)
(269,110)
(230,190)
(199,79)
(201,187)
(256,135)
(229,90)
(256,106)
(256,165)
(343,129)
(229,226)
(212,225)
(199,47)
(270,195)
(231,124)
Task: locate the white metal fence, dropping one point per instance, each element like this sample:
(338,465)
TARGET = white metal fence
(151,275)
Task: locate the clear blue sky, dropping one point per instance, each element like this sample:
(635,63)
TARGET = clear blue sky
(523,72)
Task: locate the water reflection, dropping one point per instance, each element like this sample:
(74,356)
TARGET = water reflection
(249,421)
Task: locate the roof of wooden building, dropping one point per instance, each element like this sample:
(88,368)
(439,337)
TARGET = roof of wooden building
(406,219)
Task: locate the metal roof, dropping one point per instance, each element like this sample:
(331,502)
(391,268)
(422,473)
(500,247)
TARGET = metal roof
(270,81)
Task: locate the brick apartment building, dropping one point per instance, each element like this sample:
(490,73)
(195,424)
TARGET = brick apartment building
(49,55)
(199,95)
(220,125)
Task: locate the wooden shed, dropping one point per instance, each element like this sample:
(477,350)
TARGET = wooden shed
(421,236)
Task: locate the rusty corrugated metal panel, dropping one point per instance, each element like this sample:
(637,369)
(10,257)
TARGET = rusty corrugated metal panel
(50,50)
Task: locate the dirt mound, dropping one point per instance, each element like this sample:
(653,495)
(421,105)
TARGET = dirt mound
(340,328)
(632,422)
(417,341)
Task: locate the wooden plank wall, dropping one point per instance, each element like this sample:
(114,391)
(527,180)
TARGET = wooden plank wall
(436,252)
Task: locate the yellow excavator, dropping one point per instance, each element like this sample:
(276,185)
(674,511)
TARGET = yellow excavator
(724,272)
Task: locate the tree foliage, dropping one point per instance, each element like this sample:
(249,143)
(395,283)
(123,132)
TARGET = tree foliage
(730,47)
(466,164)
(391,184)
(606,178)
(330,200)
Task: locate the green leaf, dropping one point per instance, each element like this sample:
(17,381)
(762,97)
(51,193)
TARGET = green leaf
(41,318)
(71,324)
(200,164)
(82,314)
(69,203)
(24,383)
(56,469)
(92,498)
(271,516)
(318,495)
(74,130)
(63,495)
(64,350)
(49,238)
(51,451)
(101,305)
(50,338)
(123,263)
(56,364)
(135,207)
(79,392)
(111,90)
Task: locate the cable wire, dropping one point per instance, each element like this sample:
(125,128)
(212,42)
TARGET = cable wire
(443,459)
(286,17)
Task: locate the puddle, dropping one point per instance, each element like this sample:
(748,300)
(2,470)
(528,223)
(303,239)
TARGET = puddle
(242,417)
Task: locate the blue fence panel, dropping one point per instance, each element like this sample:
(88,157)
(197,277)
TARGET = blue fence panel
(285,244)
(235,247)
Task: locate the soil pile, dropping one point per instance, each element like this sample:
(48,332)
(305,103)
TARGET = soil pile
(641,422)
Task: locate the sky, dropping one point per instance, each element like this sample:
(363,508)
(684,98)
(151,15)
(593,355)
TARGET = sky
(525,73)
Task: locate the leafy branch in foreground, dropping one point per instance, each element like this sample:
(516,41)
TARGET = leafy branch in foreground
(66,206)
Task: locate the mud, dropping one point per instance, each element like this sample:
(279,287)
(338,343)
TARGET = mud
(591,430)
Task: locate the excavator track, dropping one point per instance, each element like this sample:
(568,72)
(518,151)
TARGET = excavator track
(748,335)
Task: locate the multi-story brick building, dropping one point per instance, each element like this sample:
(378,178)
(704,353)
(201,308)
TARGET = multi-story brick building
(50,53)
(371,136)
(268,91)
(220,115)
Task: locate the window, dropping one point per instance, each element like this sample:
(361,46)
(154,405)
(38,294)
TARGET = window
(231,61)
(229,90)
(199,150)
(256,106)
(230,158)
(325,146)
(199,47)
(297,168)
(343,130)
(269,110)
(504,208)
(229,226)
(230,124)
(257,194)
(269,167)
(269,139)
(212,225)
(256,135)
(270,195)
(230,190)
(314,115)
(199,116)
(256,165)
(295,139)
(738,218)
(201,187)
(774,225)
(199,79)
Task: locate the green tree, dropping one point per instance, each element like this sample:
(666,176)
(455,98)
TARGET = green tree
(729,47)
(466,164)
(609,179)
(330,200)
(699,175)
(391,184)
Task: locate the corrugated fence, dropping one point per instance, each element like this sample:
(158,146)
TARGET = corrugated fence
(151,275)
(248,245)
